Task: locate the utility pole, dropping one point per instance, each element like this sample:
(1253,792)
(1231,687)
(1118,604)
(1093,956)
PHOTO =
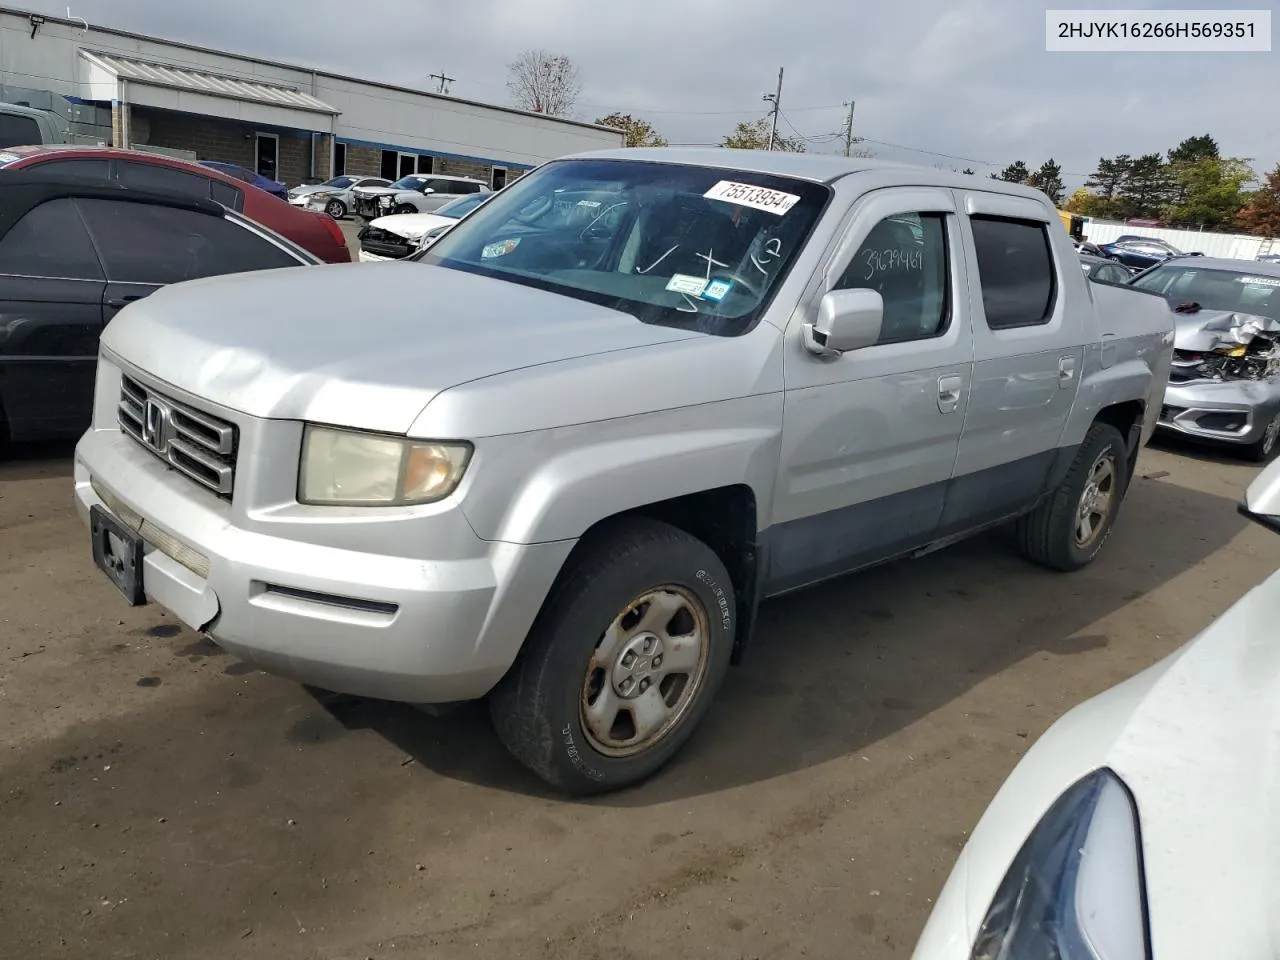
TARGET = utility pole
(444,81)
(848,129)
(776,99)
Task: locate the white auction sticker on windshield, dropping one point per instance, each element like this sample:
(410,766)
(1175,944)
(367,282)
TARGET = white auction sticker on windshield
(683,283)
(758,198)
(1260,281)
(8,157)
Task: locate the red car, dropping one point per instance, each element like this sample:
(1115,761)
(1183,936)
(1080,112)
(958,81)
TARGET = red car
(314,232)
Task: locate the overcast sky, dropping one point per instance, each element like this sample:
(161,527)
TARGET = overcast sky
(969,78)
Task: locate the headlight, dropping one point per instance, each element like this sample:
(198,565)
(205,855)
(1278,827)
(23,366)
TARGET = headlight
(347,468)
(1075,890)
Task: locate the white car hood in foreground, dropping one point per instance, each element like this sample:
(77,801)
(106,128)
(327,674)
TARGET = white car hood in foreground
(359,345)
(1196,739)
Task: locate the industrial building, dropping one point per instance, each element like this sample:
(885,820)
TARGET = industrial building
(287,122)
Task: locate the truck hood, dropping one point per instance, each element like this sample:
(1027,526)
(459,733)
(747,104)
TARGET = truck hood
(359,345)
(1196,738)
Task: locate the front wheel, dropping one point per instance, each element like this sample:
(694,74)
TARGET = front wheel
(623,661)
(1068,529)
(336,209)
(405,208)
(1265,447)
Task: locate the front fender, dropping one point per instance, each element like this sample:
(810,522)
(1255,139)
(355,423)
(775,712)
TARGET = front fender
(556,484)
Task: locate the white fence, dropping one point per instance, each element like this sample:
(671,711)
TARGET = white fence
(1236,246)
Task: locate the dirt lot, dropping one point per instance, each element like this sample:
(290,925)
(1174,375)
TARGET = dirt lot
(158,799)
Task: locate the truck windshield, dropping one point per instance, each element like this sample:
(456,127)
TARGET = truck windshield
(689,246)
(1239,292)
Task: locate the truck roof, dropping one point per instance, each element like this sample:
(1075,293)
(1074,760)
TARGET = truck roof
(816,167)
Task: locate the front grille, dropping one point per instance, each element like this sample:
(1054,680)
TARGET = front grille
(197,445)
(384,243)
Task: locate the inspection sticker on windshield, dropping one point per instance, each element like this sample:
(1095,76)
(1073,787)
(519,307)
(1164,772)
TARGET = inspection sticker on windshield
(499,249)
(758,198)
(8,157)
(717,290)
(683,283)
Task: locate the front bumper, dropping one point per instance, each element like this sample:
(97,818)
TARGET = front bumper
(400,604)
(367,257)
(1233,411)
(370,208)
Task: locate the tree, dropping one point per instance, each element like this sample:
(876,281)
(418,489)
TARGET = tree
(1048,180)
(1209,192)
(1015,172)
(968,170)
(640,133)
(1110,175)
(544,83)
(1147,187)
(1262,216)
(1195,149)
(754,135)
(1082,202)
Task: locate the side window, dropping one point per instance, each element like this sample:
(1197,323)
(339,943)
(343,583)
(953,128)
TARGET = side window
(92,169)
(147,176)
(149,243)
(904,259)
(445,186)
(1015,269)
(18,131)
(25,250)
(227,195)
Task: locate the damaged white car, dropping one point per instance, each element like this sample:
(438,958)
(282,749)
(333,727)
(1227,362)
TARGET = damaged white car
(1224,385)
(397,236)
(1141,825)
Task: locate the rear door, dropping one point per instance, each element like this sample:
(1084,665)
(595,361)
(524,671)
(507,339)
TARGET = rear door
(1028,353)
(51,287)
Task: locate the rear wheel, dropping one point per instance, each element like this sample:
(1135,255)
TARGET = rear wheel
(405,208)
(623,662)
(1067,530)
(336,209)
(1265,447)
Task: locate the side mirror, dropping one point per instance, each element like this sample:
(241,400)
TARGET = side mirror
(847,320)
(429,190)
(1262,500)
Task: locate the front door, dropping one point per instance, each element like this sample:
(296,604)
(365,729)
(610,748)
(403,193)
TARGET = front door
(1028,358)
(268,156)
(870,438)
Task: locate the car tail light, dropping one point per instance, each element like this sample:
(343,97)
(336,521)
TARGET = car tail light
(335,231)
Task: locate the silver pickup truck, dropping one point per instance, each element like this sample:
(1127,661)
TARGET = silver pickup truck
(558,459)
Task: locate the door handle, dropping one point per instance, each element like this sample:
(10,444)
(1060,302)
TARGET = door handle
(119,302)
(1066,371)
(949,393)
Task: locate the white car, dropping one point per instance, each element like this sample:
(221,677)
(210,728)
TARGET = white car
(334,196)
(397,236)
(417,192)
(1142,824)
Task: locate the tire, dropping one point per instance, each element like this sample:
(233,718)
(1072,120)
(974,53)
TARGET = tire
(336,209)
(543,708)
(1265,448)
(405,208)
(1050,534)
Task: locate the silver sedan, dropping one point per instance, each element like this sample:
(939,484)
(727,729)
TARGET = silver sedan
(334,196)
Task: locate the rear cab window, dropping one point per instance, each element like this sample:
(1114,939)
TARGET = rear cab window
(1015,270)
(18,131)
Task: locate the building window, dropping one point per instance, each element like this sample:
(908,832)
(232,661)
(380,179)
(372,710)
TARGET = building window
(390,164)
(339,159)
(407,163)
(425,164)
(499,178)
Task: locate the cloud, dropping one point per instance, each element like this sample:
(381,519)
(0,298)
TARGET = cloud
(969,78)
